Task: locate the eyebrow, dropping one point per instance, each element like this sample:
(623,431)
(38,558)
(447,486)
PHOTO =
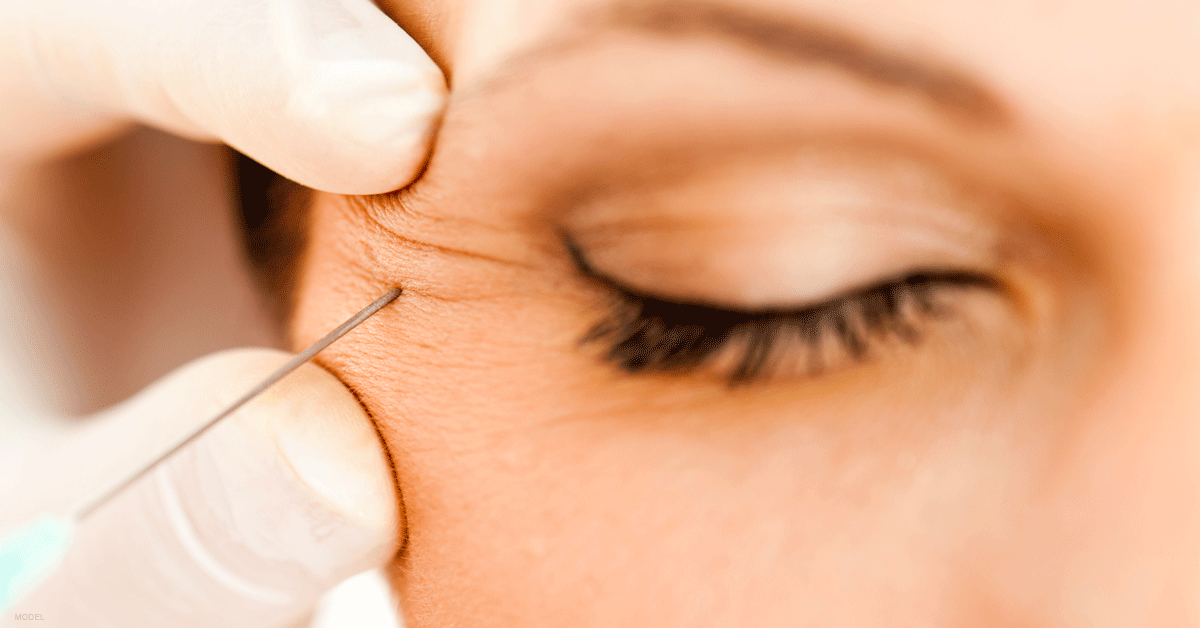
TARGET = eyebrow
(799,42)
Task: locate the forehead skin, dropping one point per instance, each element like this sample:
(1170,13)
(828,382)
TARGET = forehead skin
(1102,89)
(542,488)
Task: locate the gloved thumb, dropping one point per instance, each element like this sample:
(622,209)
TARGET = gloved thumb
(248,525)
(330,93)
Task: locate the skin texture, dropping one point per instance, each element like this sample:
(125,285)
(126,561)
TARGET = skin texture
(1029,461)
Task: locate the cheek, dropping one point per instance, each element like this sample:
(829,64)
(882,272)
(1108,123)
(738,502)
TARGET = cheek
(543,488)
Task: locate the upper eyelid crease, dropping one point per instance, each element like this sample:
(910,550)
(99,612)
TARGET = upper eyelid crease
(585,268)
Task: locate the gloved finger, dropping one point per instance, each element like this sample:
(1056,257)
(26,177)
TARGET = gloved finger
(330,93)
(249,525)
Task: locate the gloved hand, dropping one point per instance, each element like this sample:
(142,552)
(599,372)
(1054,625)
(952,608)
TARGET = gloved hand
(329,93)
(245,527)
(265,512)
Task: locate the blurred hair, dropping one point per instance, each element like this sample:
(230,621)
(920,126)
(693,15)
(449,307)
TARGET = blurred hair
(274,216)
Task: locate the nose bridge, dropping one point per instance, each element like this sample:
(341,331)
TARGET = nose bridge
(1160,369)
(1156,343)
(1127,484)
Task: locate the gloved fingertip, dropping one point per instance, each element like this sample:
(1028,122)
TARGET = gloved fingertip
(336,451)
(374,115)
(246,526)
(363,91)
(373,102)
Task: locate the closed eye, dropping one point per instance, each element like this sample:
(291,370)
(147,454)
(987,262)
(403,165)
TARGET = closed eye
(645,333)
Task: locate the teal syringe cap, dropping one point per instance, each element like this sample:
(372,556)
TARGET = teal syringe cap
(31,554)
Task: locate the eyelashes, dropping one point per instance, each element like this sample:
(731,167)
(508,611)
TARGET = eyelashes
(646,334)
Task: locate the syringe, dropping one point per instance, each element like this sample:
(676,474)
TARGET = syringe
(34,550)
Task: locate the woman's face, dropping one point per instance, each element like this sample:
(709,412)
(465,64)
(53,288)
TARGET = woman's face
(789,313)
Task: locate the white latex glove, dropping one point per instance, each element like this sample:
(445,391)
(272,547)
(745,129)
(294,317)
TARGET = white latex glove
(329,93)
(245,527)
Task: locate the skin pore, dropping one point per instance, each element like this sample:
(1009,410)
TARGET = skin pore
(957,239)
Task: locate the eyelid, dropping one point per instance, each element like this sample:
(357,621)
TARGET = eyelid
(584,266)
(773,229)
